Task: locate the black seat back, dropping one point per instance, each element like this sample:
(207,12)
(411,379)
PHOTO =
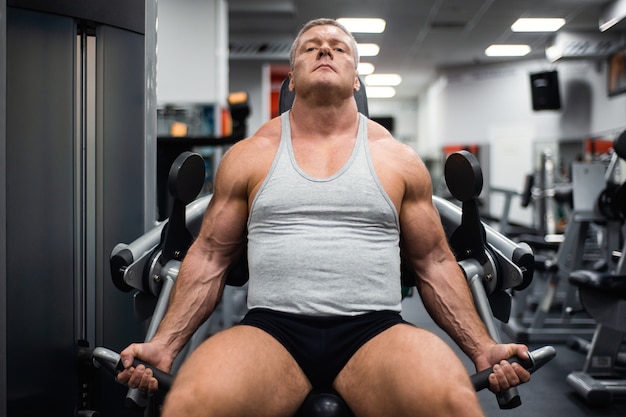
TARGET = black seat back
(285,99)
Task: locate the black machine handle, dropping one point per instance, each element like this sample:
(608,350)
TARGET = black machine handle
(537,358)
(112,362)
(165,379)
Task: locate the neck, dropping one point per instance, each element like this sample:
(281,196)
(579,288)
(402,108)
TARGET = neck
(324,119)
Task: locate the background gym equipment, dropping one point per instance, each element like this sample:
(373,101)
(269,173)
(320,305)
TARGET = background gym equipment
(603,295)
(492,263)
(550,311)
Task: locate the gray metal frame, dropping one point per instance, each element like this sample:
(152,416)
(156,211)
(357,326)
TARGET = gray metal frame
(3,212)
(150,121)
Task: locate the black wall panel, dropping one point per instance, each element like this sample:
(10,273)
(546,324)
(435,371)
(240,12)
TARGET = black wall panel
(44,217)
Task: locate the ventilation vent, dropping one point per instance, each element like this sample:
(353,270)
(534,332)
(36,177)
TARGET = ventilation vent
(259,50)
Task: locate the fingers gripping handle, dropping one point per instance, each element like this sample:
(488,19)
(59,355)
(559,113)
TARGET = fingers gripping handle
(165,379)
(112,361)
(537,358)
(138,400)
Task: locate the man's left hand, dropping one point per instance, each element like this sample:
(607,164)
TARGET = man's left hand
(505,375)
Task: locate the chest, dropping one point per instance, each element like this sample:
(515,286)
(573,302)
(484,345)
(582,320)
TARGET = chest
(350,193)
(323,159)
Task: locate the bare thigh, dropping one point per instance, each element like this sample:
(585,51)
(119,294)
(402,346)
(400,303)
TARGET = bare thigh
(241,371)
(407,371)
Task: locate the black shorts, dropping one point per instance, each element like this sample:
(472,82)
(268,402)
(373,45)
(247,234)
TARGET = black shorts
(322,345)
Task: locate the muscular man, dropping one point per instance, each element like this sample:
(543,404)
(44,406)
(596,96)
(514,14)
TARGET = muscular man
(326,200)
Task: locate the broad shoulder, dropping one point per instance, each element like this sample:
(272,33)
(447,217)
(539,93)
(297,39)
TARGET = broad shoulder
(401,171)
(247,162)
(385,149)
(256,150)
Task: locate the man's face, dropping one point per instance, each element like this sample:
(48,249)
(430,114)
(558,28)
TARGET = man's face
(325,57)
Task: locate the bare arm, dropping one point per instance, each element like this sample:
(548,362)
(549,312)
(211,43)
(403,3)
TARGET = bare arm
(442,284)
(200,282)
(440,281)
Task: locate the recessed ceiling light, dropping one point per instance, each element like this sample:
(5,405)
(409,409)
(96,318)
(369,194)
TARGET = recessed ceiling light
(507,50)
(383,79)
(365,68)
(537,24)
(380,92)
(358,25)
(368,49)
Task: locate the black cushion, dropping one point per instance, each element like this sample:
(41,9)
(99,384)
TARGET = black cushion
(285,98)
(324,403)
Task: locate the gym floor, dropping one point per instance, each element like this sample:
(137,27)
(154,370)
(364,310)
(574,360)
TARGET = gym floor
(548,394)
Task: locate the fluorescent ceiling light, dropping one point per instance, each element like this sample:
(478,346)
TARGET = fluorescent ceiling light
(507,50)
(537,24)
(365,68)
(383,79)
(357,25)
(265,7)
(368,49)
(554,53)
(380,92)
(604,26)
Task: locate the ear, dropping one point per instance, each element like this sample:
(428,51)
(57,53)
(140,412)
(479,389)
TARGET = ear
(357,82)
(291,85)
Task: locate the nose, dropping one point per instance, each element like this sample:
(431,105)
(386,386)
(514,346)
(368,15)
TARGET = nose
(325,50)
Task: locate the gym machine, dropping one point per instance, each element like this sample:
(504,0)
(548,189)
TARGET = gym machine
(544,194)
(603,295)
(491,262)
(558,314)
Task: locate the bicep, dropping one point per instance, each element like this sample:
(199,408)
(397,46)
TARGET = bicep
(223,229)
(423,237)
(424,242)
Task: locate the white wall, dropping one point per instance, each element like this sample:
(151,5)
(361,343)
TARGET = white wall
(192,51)
(484,104)
(491,105)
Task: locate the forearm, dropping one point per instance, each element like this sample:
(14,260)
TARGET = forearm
(196,293)
(450,303)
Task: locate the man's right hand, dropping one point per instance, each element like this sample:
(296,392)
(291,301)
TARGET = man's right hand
(142,377)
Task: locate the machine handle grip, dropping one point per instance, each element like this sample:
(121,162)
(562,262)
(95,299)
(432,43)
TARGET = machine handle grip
(537,358)
(165,379)
(111,360)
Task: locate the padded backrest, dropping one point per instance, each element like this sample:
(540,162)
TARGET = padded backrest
(285,98)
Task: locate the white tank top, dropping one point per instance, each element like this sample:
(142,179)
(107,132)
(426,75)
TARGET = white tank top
(323,246)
